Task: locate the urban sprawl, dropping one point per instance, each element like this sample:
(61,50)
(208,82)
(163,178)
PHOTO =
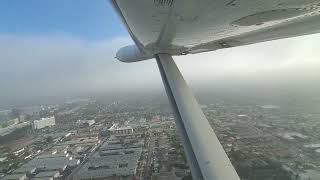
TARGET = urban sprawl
(87,139)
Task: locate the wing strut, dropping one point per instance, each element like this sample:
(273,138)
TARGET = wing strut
(205,155)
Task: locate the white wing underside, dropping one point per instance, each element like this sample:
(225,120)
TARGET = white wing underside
(192,26)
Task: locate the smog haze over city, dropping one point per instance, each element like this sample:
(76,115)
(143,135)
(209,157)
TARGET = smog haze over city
(50,55)
(63,94)
(40,68)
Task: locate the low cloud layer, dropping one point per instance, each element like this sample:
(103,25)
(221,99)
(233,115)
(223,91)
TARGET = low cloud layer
(60,65)
(57,65)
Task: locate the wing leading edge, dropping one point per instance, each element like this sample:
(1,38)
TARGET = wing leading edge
(186,26)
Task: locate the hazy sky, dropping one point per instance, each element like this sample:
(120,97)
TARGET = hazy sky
(67,47)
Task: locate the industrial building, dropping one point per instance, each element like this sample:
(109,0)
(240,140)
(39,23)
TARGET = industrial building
(105,168)
(47,166)
(85,123)
(117,129)
(123,142)
(47,175)
(15,177)
(164,176)
(55,162)
(117,158)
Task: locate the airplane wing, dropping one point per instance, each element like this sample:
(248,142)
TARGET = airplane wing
(186,26)
(164,28)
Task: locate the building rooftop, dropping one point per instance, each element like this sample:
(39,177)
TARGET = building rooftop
(48,174)
(15,177)
(49,162)
(42,178)
(25,169)
(122,143)
(105,167)
(118,156)
(82,140)
(117,127)
(130,154)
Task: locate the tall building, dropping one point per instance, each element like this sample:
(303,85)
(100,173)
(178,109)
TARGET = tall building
(44,122)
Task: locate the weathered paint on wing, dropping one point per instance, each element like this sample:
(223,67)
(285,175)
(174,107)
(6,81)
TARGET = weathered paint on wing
(188,26)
